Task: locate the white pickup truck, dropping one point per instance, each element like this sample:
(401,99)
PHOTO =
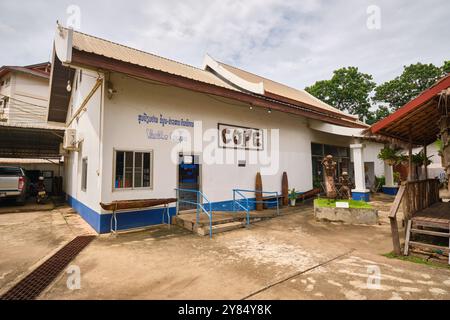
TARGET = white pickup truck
(13,184)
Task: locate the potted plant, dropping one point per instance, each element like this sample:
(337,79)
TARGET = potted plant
(293,197)
(388,155)
(419,159)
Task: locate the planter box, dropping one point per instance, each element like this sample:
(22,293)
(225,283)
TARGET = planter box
(350,216)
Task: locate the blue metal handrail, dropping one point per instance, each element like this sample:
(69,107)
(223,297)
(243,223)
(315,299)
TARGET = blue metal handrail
(199,205)
(241,192)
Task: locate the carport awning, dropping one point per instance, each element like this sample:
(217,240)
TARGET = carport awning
(30,142)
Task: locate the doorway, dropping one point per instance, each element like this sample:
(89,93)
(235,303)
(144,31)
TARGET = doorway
(188,179)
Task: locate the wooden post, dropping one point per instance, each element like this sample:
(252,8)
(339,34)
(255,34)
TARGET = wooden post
(410,163)
(393,219)
(395,236)
(258,195)
(425,161)
(285,189)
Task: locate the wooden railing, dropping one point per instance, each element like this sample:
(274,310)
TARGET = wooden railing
(419,195)
(416,196)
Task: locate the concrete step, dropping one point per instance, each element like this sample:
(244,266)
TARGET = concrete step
(204,230)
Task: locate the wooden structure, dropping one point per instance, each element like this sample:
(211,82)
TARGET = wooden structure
(329,168)
(415,196)
(259,195)
(135,204)
(285,189)
(419,123)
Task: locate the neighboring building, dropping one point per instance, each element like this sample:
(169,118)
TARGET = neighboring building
(134,118)
(24,94)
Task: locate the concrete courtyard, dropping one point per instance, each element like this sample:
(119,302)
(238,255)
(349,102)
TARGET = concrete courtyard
(288,257)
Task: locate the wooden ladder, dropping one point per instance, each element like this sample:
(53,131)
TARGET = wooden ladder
(416,226)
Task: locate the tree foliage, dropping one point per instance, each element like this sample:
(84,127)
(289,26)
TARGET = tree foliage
(414,79)
(355,92)
(348,90)
(446,67)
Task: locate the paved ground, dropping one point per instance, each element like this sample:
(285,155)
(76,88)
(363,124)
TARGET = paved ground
(10,206)
(320,261)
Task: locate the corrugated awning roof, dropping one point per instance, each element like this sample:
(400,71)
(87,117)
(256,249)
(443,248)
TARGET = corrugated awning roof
(418,119)
(27,141)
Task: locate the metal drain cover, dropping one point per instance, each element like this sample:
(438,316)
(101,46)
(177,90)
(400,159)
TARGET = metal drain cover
(32,285)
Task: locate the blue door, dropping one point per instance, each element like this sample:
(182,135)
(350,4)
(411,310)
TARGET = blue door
(188,178)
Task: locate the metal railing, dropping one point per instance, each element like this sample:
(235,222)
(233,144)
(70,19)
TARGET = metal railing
(247,201)
(199,204)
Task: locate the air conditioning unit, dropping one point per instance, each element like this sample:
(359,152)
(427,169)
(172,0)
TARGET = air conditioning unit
(70,139)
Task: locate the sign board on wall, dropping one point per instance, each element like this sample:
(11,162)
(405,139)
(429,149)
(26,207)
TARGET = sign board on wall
(235,137)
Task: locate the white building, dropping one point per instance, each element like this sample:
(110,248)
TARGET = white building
(25,134)
(137,117)
(24,94)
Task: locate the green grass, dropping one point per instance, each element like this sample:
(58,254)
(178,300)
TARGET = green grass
(417,260)
(327,203)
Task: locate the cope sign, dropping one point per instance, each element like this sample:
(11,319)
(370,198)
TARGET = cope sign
(235,137)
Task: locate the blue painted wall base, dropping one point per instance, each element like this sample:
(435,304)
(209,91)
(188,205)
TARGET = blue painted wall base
(125,220)
(390,190)
(361,196)
(143,218)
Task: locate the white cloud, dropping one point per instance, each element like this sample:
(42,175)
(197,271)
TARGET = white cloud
(294,42)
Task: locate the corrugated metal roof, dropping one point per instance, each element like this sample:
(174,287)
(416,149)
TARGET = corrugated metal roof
(91,44)
(100,47)
(283,90)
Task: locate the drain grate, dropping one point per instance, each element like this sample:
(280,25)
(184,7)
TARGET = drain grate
(32,285)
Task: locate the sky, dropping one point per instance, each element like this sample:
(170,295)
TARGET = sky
(293,42)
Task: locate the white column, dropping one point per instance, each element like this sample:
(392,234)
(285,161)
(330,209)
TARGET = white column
(389,175)
(358,163)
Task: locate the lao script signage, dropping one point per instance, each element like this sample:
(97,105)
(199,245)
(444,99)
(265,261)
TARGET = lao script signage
(234,137)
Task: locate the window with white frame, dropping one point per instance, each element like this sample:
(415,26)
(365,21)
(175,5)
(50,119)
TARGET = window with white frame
(84,167)
(133,169)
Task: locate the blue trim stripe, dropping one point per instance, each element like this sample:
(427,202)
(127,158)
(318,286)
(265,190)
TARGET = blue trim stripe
(142,218)
(361,196)
(125,220)
(390,190)
(90,216)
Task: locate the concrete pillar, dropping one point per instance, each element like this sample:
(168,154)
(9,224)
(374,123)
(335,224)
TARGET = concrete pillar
(390,187)
(360,192)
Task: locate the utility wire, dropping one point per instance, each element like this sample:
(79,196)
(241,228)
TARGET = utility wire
(25,102)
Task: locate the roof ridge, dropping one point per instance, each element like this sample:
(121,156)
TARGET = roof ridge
(285,85)
(138,50)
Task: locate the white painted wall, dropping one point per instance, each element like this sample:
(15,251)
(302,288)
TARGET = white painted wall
(5,90)
(371,151)
(28,98)
(120,130)
(88,133)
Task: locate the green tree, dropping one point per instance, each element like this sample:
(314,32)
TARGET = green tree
(348,90)
(380,113)
(414,79)
(446,67)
